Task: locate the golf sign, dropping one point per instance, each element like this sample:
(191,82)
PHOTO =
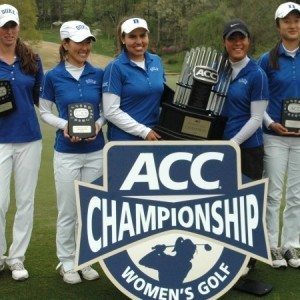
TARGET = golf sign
(172,220)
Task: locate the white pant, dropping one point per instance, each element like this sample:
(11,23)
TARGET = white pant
(23,159)
(282,160)
(67,168)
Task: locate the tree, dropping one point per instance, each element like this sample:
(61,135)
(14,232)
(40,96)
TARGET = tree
(181,24)
(172,19)
(206,28)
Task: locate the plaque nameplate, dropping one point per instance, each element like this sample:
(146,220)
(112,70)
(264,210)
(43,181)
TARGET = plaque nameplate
(195,126)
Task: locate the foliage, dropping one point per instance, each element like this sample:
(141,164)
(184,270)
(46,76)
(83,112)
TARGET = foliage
(177,24)
(172,21)
(206,28)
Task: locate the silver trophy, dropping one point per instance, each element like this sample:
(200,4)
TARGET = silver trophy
(195,111)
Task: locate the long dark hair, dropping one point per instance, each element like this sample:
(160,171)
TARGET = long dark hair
(62,51)
(119,35)
(274,53)
(28,59)
(274,56)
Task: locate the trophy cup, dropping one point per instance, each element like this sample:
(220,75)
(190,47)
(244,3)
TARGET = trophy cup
(196,105)
(291,114)
(81,121)
(7,101)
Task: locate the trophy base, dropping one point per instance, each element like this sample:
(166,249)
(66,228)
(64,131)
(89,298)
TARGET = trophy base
(253,287)
(189,123)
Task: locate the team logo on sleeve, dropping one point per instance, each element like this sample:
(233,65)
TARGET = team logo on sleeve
(172,220)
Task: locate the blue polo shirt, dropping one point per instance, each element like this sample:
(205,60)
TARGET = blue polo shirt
(140,91)
(249,85)
(21,125)
(60,87)
(284,83)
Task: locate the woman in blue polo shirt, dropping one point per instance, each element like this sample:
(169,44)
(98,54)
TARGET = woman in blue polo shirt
(20,138)
(245,103)
(72,81)
(246,99)
(132,85)
(282,146)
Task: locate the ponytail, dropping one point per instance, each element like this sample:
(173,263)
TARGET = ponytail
(62,51)
(274,57)
(28,59)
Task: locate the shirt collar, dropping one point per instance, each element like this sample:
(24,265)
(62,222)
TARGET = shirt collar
(281,50)
(125,59)
(88,68)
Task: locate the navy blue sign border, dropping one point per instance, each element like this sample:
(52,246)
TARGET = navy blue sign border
(110,259)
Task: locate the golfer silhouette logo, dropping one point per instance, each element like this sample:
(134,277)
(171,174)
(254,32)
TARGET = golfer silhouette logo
(179,264)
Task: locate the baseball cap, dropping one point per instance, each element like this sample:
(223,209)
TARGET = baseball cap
(235,25)
(132,24)
(77,31)
(285,8)
(8,13)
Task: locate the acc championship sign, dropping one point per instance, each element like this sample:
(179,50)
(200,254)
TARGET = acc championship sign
(172,220)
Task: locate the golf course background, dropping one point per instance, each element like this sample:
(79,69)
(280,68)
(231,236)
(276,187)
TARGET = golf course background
(45,282)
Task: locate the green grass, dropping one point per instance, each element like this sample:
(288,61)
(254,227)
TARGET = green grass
(50,35)
(173,62)
(45,282)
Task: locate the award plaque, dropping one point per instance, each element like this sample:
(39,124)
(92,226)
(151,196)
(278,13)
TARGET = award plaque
(81,121)
(178,123)
(193,111)
(7,101)
(291,114)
